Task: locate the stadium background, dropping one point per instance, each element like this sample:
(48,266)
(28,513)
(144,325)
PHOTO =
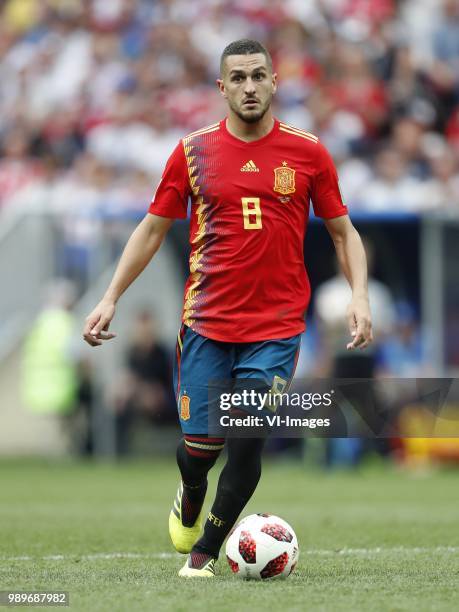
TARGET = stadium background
(94,95)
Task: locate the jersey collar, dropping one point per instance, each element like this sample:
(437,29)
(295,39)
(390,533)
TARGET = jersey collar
(255,143)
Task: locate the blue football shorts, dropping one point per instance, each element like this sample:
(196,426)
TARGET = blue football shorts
(200,360)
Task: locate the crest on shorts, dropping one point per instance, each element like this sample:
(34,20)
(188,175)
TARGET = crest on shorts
(284,179)
(184,407)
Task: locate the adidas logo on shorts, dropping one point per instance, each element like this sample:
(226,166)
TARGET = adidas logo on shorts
(250,167)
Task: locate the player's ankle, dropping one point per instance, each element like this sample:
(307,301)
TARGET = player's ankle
(200,559)
(202,549)
(192,502)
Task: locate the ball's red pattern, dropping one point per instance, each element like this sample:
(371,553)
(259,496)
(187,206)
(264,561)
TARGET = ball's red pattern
(278,532)
(233,565)
(275,566)
(247,547)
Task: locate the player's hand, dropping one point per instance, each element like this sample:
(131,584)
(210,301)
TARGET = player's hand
(98,322)
(359,321)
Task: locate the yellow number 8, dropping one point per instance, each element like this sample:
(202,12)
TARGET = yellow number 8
(252,213)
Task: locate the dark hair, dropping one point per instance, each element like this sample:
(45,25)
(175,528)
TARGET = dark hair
(245,46)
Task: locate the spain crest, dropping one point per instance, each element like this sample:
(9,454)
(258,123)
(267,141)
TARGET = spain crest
(184,407)
(284,179)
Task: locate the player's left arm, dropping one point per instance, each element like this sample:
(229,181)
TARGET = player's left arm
(353,263)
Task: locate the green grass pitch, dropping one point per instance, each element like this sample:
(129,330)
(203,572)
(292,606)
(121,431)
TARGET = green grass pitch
(377,539)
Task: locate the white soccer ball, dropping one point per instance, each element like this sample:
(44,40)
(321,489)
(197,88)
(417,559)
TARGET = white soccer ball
(262,546)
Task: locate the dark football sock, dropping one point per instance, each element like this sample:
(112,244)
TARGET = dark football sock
(196,455)
(237,482)
(192,502)
(198,559)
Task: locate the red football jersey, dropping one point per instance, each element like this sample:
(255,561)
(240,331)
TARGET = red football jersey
(249,213)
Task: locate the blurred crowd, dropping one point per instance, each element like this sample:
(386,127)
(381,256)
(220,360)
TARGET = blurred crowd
(94,95)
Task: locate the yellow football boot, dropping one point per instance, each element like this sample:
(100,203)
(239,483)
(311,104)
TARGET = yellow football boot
(198,569)
(183,538)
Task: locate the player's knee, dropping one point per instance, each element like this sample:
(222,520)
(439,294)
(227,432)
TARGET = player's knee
(203,447)
(245,453)
(196,455)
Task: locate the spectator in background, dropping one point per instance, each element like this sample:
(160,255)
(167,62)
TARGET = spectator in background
(143,388)
(445,70)
(355,90)
(56,380)
(35,195)
(452,131)
(403,353)
(49,379)
(392,188)
(331,326)
(404,85)
(89,188)
(442,189)
(85,422)
(17,168)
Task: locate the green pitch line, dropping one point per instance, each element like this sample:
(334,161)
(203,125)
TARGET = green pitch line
(374,540)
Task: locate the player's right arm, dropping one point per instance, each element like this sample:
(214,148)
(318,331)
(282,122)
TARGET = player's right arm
(144,242)
(169,203)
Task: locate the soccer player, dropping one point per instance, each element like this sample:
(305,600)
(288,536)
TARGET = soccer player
(250,179)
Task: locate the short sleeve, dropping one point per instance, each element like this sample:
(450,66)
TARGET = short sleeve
(325,193)
(171,197)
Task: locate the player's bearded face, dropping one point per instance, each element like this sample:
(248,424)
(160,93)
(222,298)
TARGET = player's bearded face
(248,84)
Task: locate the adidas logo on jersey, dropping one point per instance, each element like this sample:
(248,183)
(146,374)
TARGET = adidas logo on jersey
(250,167)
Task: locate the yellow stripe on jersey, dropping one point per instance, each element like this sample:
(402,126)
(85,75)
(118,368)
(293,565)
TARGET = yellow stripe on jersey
(314,140)
(206,127)
(208,130)
(201,211)
(201,214)
(295,129)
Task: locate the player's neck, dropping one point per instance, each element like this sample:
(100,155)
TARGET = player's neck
(248,132)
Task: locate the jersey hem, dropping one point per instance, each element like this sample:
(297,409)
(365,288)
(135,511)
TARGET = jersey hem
(250,339)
